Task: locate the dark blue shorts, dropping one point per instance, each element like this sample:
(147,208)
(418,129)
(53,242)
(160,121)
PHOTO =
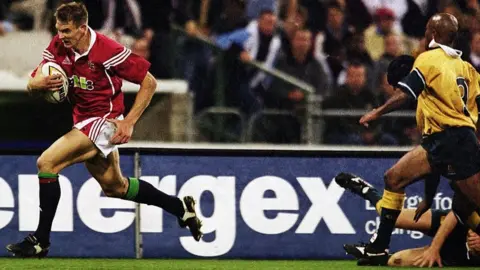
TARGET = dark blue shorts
(454,152)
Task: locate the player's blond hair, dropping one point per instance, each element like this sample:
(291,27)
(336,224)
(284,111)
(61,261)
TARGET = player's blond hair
(75,12)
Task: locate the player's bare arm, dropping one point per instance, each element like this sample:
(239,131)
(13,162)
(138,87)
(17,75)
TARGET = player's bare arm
(41,82)
(432,254)
(431,185)
(398,69)
(143,98)
(393,103)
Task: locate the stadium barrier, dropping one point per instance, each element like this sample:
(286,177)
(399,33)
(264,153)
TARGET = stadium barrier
(256,201)
(171,110)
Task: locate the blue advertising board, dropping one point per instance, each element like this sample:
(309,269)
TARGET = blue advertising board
(252,207)
(272,207)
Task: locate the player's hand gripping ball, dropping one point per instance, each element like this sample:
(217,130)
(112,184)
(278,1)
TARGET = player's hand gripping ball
(57,96)
(399,68)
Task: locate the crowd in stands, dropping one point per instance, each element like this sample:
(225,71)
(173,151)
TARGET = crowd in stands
(340,47)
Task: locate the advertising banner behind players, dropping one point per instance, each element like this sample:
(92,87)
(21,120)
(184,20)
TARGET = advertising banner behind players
(252,207)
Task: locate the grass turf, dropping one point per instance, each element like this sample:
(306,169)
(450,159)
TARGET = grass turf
(57,263)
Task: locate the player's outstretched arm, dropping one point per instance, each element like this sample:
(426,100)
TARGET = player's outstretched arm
(431,185)
(143,98)
(432,254)
(393,103)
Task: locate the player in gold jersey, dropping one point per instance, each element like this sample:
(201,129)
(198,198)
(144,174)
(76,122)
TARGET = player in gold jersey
(446,89)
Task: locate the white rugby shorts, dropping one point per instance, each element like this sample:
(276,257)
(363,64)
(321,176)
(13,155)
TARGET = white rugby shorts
(100,131)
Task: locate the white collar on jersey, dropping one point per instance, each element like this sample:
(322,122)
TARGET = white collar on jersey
(448,50)
(93,38)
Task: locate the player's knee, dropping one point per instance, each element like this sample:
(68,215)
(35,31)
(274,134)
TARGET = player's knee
(392,180)
(45,165)
(113,190)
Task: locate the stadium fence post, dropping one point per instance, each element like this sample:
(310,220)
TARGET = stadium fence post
(138,236)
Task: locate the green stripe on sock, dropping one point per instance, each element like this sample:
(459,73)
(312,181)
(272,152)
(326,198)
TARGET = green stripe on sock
(47,175)
(133,186)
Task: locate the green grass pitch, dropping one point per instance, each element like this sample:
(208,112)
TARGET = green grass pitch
(56,263)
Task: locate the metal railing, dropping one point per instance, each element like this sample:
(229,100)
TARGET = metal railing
(312,116)
(220,77)
(278,74)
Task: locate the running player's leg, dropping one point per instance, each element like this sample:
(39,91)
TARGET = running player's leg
(471,188)
(412,166)
(71,148)
(428,222)
(465,167)
(367,191)
(108,174)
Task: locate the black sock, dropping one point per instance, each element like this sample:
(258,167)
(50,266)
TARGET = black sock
(49,197)
(389,208)
(388,218)
(142,192)
(373,196)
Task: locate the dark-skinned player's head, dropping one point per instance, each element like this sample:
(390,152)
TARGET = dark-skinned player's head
(443,28)
(71,23)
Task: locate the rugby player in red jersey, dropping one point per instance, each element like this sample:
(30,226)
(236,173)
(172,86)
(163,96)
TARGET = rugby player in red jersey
(96,66)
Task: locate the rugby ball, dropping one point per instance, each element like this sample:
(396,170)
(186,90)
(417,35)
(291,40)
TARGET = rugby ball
(51,68)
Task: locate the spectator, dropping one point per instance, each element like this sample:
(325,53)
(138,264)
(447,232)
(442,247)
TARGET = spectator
(356,51)
(27,14)
(353,95)
(334,65)
(227,16)
(318,9)
(358,15)
(255,7)
(393,48)
(193,58)
(206,17)
(259,42)
(474,57)
(3,15)
(123,19)
(337,33)
(421,47)
(141,47)
(375,34)
(156,28)
(414,21)
(290,27)
(466,25)
(301,64)
(398,10)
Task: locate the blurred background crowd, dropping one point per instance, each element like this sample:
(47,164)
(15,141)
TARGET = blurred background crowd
(229,52)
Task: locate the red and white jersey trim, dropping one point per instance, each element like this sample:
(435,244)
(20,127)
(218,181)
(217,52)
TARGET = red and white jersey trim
(48,56)
(93,126)
(96,128)
(117,59)
(85,122)
(100,132)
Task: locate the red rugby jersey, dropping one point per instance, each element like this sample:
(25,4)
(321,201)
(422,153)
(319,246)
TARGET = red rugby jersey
(96,76)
